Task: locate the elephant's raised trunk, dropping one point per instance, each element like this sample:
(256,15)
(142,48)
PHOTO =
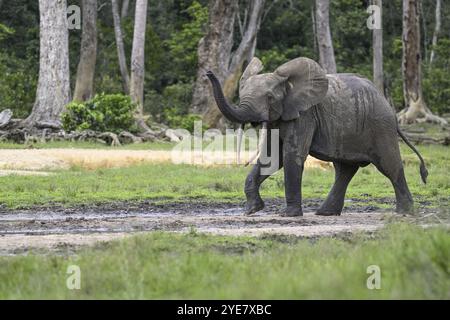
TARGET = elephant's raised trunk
(236,114)
(230,112)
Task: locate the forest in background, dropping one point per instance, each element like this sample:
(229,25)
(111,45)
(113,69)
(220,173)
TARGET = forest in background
(175,27)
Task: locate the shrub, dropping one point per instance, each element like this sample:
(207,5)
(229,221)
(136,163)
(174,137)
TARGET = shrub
(113,112)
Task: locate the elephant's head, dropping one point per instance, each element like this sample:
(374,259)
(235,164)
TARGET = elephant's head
(292,88)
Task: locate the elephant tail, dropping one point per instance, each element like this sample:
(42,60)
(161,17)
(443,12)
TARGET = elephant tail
(423,169)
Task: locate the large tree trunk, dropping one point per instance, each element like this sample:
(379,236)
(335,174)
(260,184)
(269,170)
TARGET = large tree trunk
(214,51)
(437,30)
(53,89)
(378,51)
(120,48)
(326,51)
(215,54)
(84,86)
(137,61)
(415,107)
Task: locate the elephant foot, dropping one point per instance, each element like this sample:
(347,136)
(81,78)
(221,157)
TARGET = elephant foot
(292,211)
(324,211)
(253,206)
(405,208)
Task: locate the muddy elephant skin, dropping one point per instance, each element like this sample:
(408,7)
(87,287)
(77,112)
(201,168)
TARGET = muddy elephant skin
(341,118)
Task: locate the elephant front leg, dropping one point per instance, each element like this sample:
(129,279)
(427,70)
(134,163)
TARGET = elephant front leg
(293,171)
(252,184)
(269,162)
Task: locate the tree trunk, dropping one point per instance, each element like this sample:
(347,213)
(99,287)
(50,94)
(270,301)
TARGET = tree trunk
(120,48)
(415,107)
(84,86)
(215,54)
(437,30)
(214,51)
(326,51)
(125,7)
(137,61)
(378,51)
(314,27)
(53,89)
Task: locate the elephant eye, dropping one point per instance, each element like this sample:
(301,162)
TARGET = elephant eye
(270,98)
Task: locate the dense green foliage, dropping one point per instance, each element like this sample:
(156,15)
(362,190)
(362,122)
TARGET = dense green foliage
(113,112)
(175,27)
(413,264)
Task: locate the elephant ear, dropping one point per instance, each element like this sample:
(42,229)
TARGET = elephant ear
(306,85)
(254,67)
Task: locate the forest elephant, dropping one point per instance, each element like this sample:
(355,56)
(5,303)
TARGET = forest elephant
(341,118)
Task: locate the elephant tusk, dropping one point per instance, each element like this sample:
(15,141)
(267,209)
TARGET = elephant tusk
(240,133)
(262,142)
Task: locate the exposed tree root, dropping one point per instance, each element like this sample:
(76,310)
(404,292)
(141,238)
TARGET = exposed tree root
(417,112)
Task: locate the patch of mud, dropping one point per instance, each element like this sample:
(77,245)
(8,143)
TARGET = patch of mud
(22,231)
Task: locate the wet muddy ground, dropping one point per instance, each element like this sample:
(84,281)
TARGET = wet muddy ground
(62,229)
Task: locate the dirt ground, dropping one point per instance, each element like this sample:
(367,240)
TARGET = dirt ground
(65,229)
(34,160)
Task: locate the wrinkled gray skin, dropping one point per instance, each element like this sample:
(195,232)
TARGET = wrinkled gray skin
(341,118)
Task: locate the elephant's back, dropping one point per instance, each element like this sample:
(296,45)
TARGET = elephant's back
(365,95)
(359,99)
(351,116)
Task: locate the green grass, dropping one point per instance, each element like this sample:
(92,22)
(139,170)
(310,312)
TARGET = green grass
(178,182)
(414,264)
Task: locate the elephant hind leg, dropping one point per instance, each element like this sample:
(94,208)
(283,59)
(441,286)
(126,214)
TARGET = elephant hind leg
(392,168)
(335,201)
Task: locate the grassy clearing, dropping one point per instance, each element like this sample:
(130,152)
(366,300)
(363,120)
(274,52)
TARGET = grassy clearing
(177,182)
(414,263)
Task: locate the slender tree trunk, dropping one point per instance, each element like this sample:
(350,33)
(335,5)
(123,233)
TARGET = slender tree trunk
(378,51)
(326,51)
(125,7)
(314,27)
(437,30)
(53,89)
(120,48)
(84,86)
(137,61)
(416,109)
(215,54)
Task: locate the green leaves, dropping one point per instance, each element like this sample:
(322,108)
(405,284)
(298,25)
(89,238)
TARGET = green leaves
(105,112)
(183,44)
